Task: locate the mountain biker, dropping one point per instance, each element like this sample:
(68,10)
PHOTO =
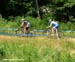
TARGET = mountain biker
(25,26)
(54,25)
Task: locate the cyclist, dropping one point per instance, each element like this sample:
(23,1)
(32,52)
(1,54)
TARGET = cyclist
(54,25)
(25,26)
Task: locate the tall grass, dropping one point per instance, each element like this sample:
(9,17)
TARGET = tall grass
(37,49)
(67,26)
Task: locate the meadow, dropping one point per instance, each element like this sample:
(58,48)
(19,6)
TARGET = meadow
(36,49)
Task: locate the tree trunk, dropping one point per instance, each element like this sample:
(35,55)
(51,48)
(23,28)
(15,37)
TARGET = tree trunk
(38,14)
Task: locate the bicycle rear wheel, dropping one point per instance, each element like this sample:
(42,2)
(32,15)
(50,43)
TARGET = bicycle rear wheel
(60,34)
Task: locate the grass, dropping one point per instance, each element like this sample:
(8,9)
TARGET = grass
(37,49)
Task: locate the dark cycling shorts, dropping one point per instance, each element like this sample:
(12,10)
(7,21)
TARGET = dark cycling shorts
(27,28)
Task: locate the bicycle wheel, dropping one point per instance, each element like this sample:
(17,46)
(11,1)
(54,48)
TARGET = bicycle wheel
(60,34)
(19,31)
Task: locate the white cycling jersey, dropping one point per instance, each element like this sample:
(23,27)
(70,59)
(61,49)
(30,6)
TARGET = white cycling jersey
(28,24)
(53,23)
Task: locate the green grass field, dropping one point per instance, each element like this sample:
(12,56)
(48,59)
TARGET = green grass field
(36,49)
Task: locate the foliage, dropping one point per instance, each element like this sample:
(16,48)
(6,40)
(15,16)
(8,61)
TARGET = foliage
(36,23)
(59,9)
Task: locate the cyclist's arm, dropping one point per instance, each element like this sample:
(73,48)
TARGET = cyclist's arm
(50,25)
(22,24)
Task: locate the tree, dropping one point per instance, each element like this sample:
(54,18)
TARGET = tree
(37,6)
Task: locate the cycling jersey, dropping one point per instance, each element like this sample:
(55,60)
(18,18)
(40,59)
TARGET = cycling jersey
(54,24)
(27,24)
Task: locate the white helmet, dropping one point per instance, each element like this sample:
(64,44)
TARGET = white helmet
(50,20)
(25,21)
(22,19)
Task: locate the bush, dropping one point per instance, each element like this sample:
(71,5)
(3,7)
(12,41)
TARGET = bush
(36,23)
(67,26)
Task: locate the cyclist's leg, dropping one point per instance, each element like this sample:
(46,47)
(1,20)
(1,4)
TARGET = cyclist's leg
(57,35)
(52,31)
(24,31)
(56,31)
(27,30)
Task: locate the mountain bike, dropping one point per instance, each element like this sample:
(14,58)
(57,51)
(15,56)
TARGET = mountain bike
(58,34)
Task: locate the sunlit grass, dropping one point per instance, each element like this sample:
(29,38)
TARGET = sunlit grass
(37,49)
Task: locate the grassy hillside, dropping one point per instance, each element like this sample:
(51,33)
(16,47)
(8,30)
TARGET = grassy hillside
(36,49)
